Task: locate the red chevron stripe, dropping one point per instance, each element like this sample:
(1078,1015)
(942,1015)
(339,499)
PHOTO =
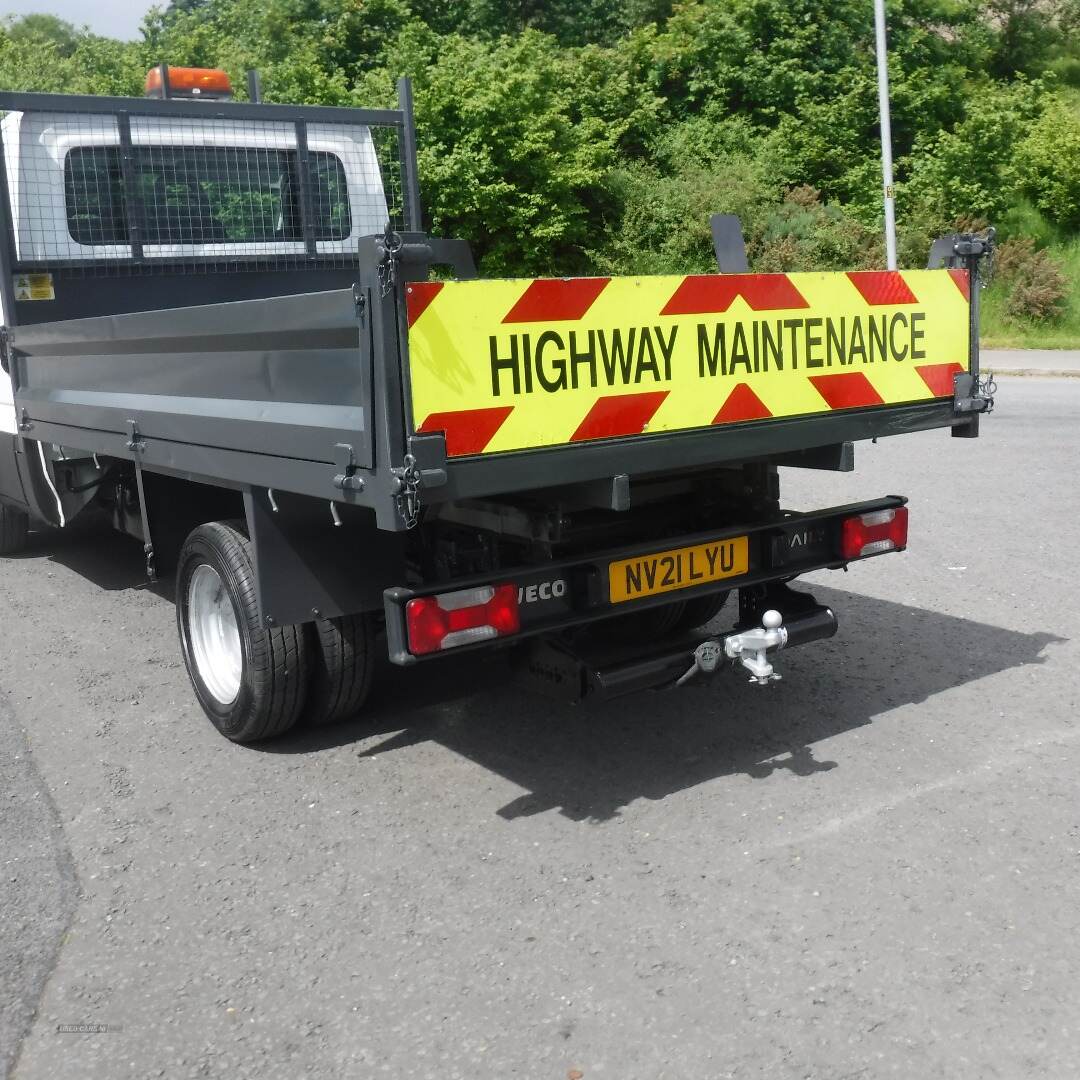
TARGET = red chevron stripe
(742,404)
(556,300)
(939,377)
(706,294)
(418,295)
(619,414)
(882,288)
(963,282)
(468,431)
(850,390)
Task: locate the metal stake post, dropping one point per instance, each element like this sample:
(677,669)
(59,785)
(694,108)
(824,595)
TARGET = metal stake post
(886,133)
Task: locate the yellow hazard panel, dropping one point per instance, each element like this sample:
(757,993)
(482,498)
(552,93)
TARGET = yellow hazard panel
(513,365)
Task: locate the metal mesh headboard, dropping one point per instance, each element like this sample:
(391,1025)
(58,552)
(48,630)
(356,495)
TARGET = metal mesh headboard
(121,186)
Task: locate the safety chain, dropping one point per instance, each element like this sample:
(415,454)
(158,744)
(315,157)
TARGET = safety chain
(391,244)
(408,497)
(987,389)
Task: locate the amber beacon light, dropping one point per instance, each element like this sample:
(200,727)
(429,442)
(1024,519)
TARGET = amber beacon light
(164,81)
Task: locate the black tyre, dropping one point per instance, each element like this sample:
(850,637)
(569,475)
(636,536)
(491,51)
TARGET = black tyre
(14,527)
(343,656)
(701,610)
(251,680)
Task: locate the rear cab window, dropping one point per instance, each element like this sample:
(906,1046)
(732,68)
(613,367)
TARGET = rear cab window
(197,195)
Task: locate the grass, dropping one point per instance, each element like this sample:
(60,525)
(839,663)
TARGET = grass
(999,332)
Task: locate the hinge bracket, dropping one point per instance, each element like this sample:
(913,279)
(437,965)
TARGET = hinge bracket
(407,483)
(974,394)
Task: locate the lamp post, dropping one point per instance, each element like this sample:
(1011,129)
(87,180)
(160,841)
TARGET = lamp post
(886,132)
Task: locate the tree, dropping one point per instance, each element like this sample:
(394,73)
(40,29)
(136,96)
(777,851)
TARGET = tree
(517,139)
(572,22)
(44,29)
(1048,163)
(1026,33)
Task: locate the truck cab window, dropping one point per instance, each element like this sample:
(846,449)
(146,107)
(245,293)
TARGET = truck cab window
(94,196)
(204,195)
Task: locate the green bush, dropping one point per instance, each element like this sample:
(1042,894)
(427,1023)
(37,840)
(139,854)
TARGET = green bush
(802,233)
(1048,163)
(1033,282)
(555,156)
(518,140)
(1024,218)
(969,171)
(663,221)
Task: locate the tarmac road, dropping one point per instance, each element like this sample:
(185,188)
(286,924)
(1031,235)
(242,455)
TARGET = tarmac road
(869,870)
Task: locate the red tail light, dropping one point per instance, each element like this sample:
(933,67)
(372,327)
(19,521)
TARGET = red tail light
(460,618)
(874,533)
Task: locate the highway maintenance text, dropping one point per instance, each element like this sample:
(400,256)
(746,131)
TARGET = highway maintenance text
(557,359)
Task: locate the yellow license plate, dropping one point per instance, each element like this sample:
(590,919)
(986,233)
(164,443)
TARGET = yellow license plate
(680,568)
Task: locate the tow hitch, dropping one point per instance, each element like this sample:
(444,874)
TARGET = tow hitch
(750,648)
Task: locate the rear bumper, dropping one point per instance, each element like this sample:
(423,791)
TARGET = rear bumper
(563,595)
(568,673)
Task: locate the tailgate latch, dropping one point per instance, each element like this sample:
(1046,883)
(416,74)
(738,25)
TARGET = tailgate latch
(345,460)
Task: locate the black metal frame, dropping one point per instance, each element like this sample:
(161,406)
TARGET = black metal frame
(17,101)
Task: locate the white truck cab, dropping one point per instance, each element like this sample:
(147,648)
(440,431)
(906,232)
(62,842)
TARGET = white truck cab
(210,192)
(212,188)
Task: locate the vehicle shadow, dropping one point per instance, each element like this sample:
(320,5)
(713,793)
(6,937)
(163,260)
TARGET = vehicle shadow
(589,761)
(93,549)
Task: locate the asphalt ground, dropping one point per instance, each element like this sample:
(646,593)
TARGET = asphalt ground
(868,870)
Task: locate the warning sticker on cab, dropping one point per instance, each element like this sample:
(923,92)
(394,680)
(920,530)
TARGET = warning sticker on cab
(680,568)
(519,364)
(34,287)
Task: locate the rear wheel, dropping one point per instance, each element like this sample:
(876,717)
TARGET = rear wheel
(342,663)
(250,679)
(14,528)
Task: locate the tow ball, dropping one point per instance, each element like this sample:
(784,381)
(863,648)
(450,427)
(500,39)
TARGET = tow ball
(750,648)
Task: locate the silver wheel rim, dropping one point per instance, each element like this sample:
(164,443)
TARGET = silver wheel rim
(215,637)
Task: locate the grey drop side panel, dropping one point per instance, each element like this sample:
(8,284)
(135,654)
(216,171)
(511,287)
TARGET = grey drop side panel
(287,375)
